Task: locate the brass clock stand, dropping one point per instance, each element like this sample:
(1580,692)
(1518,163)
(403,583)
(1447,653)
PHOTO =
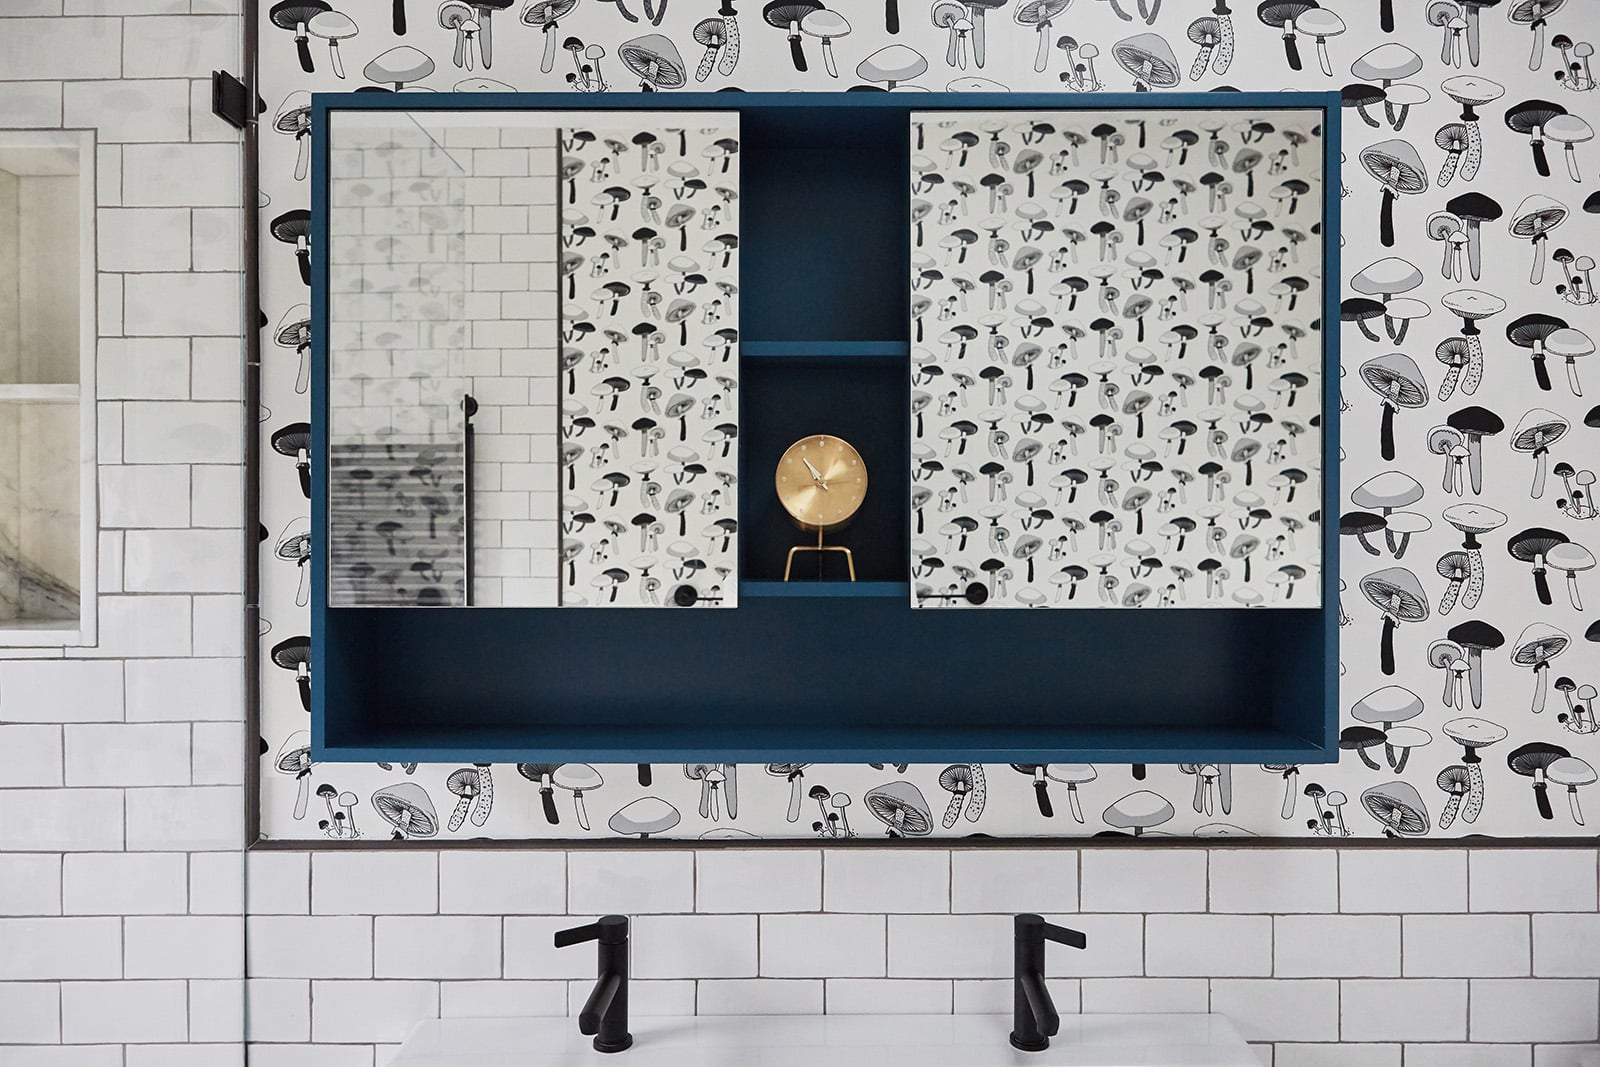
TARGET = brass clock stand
(821,481)
(850,560)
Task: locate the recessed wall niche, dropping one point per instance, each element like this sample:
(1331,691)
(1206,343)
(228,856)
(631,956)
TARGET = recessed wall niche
(47,344)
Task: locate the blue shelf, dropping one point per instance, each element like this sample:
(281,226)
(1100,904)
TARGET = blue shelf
(510,684)
(814,588)
(809,349)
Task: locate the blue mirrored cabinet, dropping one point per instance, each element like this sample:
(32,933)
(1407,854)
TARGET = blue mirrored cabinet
(558,350)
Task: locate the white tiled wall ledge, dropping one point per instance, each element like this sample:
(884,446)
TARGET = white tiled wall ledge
(1323,956)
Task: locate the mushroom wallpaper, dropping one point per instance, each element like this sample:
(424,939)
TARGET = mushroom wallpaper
(1470,192)
(650,358)
(1114,313)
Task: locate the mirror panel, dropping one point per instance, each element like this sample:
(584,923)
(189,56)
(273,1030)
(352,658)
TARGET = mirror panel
(1117,357)
(532,338)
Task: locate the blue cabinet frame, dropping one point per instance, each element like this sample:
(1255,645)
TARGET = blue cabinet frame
(825,672)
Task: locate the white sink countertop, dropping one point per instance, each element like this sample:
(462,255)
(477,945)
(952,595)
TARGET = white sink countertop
(833,1040)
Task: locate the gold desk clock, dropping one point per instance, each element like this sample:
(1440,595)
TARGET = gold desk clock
(821,483)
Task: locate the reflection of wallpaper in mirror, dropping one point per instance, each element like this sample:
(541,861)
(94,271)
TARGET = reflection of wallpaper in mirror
(650,272)
(1116,358)
(442,283)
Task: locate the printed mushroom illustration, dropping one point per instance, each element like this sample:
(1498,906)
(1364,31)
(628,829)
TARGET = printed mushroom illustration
(1358,739)
(1386,493)
(543,773)
(294,654)
(900,807)
(1571,558)
(1400,170)
(1532,13)
(1398,594)
(1072,775)
(1385,707)
(463,783)
(967,787)
(294,546)
(1474,209)
(294,440)
(1570,345)
(294,227)
(399,66)
(1474,638)
(578,779)
(794,774)
(1475,423)
(1398,808)
(1038,14)
(655,61)
(1149,59)
(1573,773)
(1471,92)
(1281,15)
(1471,520)
(787,15)
(546,15)
(892,65)
(1138,812)
(294,757)
(294,331)
(1532,761)
(1535,647)
(828,25)
(1454,782)
(1473,734)
(295,15)
(1471,306)
(1529,117)
(1041,786)
(643,817)
(1533,220)
(1531,546)
(1398,381)
(1536,431)
(294,117)
(406,807)
(333,27)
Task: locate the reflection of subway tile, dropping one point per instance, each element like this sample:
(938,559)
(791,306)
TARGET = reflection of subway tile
(504,562)
(482,248)
(538,363)
(503,334)
(477,191)
(535,591)
(536,303)
(498,220)
(538,420)
(502,505)
(499,162)
(527,248)
(541,189)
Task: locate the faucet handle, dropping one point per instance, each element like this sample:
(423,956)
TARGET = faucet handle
(608,930)
(1029,924)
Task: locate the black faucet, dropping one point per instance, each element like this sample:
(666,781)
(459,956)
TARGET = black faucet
(1034,1017)
(605,1013)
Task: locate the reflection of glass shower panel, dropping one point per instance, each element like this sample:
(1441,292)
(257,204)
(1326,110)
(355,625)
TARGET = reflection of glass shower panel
(398,479)
(398,522)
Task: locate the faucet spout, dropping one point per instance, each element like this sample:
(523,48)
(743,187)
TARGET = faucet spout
(1047,1021)
(599,1003)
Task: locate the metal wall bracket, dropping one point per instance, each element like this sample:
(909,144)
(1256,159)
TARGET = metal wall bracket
(230,100)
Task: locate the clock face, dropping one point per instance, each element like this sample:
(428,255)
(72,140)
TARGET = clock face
(821,481)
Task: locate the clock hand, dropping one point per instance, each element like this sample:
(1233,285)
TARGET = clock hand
(816,475)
